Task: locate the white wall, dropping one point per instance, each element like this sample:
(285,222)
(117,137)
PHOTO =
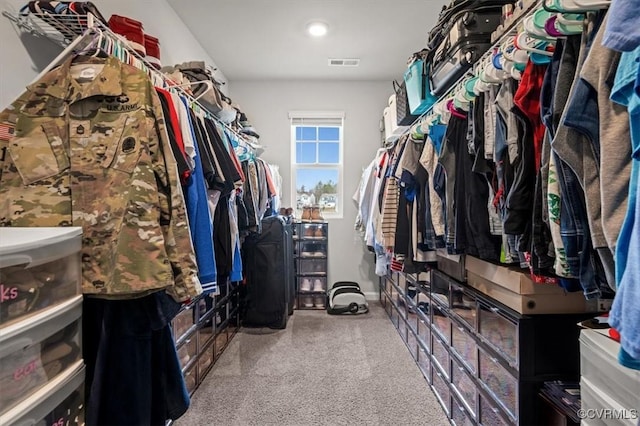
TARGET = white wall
(267,104)
(22,56)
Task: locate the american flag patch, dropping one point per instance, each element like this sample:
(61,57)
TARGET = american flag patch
(6,131)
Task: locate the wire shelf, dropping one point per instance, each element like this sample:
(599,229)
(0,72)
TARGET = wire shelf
(61,29)
(68,30)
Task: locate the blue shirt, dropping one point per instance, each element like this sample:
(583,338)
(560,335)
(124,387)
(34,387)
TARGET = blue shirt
(623,26)
(200,223)
(623,93)
(436,133)
(625,312)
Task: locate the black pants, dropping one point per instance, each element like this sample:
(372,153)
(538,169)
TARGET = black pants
(470,197)
(133,372)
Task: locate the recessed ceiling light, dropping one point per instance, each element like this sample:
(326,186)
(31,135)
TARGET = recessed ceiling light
(317,29)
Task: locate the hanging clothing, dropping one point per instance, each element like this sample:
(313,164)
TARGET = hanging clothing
(612,134)
(186,129)
(249,199)
(622,32)
(94,153)
(175,134)
(625,312)
(200,218)
(236,263)
(133,375)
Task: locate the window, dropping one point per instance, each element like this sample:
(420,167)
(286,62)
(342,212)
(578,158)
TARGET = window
(316,162)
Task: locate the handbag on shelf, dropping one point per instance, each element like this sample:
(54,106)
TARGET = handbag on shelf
(416,79)
(391,129)
(403,111)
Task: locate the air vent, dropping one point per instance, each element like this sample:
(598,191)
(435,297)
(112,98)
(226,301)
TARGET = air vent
(335,62)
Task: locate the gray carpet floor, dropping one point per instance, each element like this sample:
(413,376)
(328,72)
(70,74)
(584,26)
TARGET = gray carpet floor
(320,370)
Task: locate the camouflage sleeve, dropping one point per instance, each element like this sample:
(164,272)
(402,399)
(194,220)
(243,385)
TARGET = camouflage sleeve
(8,119)
(173,212)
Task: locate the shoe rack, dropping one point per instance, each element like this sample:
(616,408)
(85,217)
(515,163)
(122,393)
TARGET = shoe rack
(311,240)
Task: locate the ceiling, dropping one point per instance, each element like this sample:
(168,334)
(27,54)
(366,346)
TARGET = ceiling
(266,39)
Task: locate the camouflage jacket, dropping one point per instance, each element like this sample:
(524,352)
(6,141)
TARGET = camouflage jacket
(86,145)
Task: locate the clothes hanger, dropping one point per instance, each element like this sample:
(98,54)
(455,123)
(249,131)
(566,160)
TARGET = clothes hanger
(569,24)
(562,6)
(208,83)
(519,57)
(460,102)
(480,87)
(416,134)
(469,86)
(535,31)
(551,29)
(486,76)
(539,20)
(94,47)
(522,42)
(589,5)
(512,69)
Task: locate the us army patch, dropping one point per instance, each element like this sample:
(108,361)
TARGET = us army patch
(120,103)
(7,131)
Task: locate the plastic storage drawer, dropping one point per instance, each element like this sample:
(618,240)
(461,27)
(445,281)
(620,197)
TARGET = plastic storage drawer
(612,413)
(465,387)
(33,353)
(59,403)
(460,416)
(441,323)
(39,269)
(441,388)
(313,267)
(502,385)
(466,348)
(183,322)
(191,378)
(188,351)
(441,355)
(490,413)
(205,360)
(499,332)
(424,363)
(599,364)
(412,344)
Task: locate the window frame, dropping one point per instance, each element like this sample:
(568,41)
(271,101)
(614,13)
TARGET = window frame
(318,119)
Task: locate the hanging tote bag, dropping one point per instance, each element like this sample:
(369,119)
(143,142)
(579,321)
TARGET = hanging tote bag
(404,115)
(417,82)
